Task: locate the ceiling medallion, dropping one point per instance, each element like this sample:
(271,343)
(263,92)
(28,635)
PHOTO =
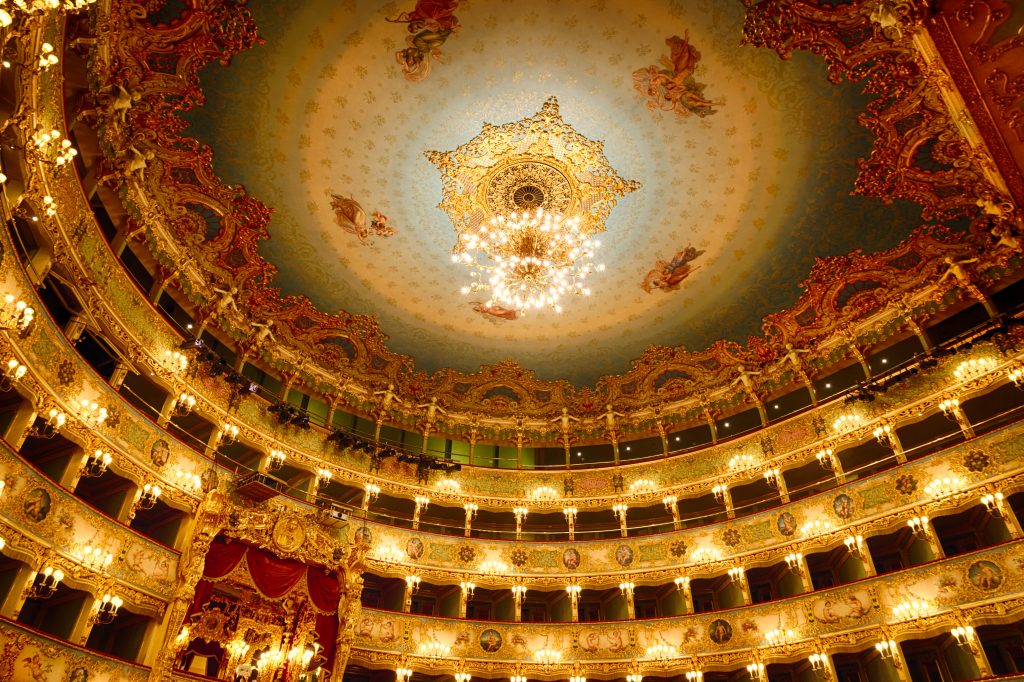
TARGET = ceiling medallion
(527,199)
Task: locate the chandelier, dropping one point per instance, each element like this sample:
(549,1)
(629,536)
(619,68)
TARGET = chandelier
(528,260)
(527,199)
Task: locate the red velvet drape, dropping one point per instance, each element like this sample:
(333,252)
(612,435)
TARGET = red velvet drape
(274,577)
(223,557)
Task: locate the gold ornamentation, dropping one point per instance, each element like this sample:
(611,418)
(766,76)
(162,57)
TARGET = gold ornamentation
(289,533)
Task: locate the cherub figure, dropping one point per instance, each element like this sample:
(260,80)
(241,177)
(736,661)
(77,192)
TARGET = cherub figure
(956,270)
(1007,238)
(609,416)
(565,421)
(388,396)
(379,225)
(123,102)
(745,378)
(431,415)
(137,163)
(226,301)
(793,355)
(265,332)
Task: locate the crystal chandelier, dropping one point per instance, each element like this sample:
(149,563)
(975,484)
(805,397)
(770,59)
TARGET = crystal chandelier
(528,260)
(527,199)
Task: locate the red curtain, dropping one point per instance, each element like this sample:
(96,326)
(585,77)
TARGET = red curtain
(223,557)
(274,577)
(323,588)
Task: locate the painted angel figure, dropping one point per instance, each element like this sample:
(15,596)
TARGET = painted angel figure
(673,88)
(494,310)
(430,24)
(668,275)
(379,225)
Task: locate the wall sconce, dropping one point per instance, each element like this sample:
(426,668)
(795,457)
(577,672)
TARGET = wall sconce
(55,420)
(993,504)
(919,524)
(855,545)
(911,609)
(819,665)
(403,674)
(471,508)
(463,677)
(825,459)
(889,650)
(570,518)
(183,404)
(756,671)
(694,676)
(108,609)
(434,649)
(660,651)
(702,555)
(547,656)
(620,509)
(816,527)
(16,314)
(468,589)
(96,464)
(390,554)
(237,648)
(738,462)
(642,485)
(771,477)
(975,367)
(371,494)
(627,588)
(49,206)
(228,434)
(323,477)
(682,582)
(275,460)
(494,567)
(950,406)
(422,502)
(793,562)
(14,372)
(46,57)
(719,492)
(669,501)
(1016,375)
(46,583)
(943,487)
(150,494)
(964,636)
(449,485)
(412,582)
(846,422)
(544,493)
(778,636)
(736,574)
(187,480)
(577,678)
(883,434)
(519,591)
(517,678)
(635,677)
(95,558)
(183,638)
(174,362)
(91,413)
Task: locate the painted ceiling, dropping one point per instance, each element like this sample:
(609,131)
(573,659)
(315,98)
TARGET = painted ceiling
(755,177)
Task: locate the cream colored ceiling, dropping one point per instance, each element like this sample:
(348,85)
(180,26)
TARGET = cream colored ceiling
(762,185)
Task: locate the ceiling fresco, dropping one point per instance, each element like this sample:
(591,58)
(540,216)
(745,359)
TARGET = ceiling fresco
(745,165)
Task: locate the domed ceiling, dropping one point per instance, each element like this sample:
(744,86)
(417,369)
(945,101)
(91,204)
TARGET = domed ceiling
(745,169)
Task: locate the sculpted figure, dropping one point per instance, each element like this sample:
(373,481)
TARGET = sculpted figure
(226,301)
(265,332)
(745,378)
(956,270)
